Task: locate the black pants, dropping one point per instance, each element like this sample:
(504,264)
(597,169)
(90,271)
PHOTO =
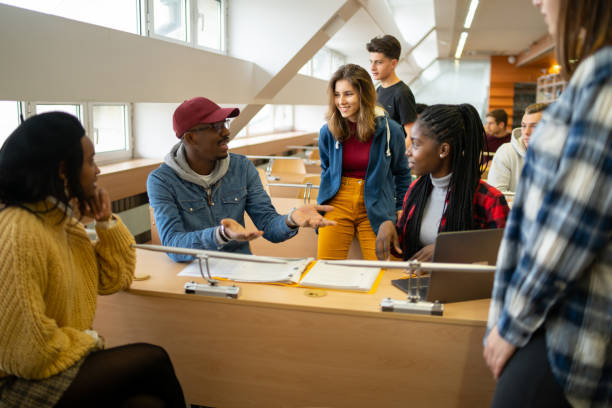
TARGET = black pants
(527,380)
(136,375)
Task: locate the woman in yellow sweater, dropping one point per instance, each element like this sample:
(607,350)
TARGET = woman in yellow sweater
(51,274)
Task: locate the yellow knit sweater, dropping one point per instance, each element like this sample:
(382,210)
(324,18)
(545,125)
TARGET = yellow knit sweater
(50,275)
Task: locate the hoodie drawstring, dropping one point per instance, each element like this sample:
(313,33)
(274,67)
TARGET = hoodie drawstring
(388,152)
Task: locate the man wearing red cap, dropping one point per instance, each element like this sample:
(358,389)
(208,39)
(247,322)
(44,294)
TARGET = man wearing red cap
(200,193)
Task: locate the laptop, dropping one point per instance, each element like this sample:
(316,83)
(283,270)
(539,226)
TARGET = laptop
(478,246)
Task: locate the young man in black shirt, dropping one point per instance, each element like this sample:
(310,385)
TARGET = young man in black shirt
(393,94)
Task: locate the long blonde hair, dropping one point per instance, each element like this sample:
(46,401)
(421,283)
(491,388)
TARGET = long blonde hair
(583,27)
(366,123)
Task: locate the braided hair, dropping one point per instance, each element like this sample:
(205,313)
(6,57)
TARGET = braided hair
(459,126)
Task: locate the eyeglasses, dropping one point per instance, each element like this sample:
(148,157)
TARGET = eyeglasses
(218,126)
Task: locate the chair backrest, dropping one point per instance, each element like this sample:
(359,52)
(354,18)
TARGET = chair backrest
(314,155)
(155,240)
(288,166)
(264,179)
(485,174)
(314,192)
(283,191)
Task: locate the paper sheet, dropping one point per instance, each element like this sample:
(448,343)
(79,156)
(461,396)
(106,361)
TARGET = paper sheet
(323,275)
(245,271)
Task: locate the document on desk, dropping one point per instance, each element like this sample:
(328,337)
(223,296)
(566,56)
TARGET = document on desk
(288,271)
(324,275)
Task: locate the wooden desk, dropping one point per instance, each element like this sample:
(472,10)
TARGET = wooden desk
(275,347)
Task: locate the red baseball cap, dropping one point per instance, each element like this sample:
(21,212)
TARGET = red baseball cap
(199,110)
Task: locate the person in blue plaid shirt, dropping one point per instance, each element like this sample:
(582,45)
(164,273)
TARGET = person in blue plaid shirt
(550,320)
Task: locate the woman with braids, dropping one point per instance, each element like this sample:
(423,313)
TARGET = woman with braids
(446,151)
(548,341)
(364,168)
(51,274)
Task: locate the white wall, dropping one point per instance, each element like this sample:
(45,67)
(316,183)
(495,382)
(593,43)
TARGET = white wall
(53,59)
(310,117)
(271,32)
(467,82)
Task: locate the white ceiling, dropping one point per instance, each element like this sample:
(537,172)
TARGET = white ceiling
(500,27)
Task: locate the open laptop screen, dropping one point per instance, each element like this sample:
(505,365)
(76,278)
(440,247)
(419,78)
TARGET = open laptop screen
(477,246)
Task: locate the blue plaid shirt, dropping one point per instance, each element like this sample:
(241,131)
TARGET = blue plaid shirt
(554,268)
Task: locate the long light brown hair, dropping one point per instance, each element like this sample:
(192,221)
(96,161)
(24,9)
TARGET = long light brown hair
(366,123)
(583,27)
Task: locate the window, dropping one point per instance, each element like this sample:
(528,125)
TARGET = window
(270,119)
(73,109)
(208,24)
(323,64)
(110,128)
(106,124)
(170,19)
(199,23)
(306,69)
(337,61)
(9,119)
(261,123)
(118,14)
(283,117)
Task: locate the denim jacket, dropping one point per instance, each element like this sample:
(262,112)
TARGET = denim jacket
(387,176)
(188,214)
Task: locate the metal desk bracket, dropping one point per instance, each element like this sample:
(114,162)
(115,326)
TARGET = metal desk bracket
(413,304)
(212,288)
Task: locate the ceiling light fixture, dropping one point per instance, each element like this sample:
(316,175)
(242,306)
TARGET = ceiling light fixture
(461,44)
(470,14)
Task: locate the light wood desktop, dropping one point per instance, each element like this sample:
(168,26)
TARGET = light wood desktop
(275,346)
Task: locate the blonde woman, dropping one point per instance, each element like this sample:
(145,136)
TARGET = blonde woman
(365,172)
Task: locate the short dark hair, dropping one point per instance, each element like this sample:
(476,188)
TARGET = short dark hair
(387,44)
(420,107)
(31,158)
(499,115)
(535,108)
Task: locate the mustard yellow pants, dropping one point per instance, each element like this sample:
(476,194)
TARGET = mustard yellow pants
(351,220)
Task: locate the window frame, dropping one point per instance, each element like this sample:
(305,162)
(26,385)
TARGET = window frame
(191,7)
(115,155)
(86,119)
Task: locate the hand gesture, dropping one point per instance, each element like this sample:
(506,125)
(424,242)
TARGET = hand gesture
(99,206)
(387,235)
(309,216)
(237,232)
(497,352)
(425,254)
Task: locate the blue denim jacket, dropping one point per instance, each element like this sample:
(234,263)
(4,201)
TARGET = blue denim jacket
(387,176)
(187,216)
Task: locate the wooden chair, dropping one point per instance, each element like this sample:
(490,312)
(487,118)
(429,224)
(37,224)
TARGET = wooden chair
(155,240)
(283,191)
(295,166)
(314,192)
(314,155)
(264,179)
(485,174)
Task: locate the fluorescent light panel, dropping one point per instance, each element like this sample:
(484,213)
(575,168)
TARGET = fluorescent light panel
(470,15)
(461,44)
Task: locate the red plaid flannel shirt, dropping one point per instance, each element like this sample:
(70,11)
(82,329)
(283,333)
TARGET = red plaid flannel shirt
(490,210)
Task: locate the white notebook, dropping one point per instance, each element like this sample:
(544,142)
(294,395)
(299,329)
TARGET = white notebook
(285,271)
(324,275)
